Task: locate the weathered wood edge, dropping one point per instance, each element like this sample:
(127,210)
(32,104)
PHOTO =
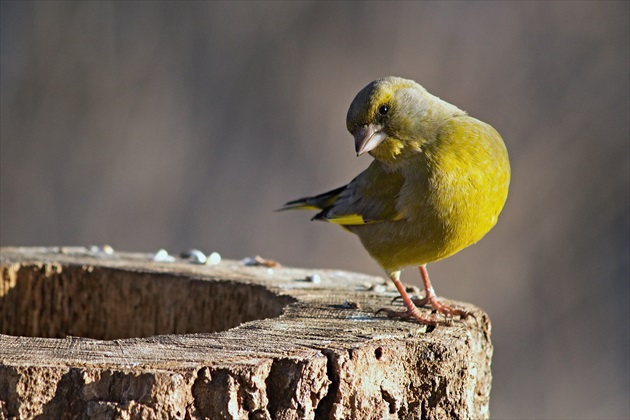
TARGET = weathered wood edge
(333,321)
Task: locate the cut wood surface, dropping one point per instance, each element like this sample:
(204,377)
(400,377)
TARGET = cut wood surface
(90,334)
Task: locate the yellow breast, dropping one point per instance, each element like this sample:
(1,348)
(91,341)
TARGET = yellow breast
(454,190)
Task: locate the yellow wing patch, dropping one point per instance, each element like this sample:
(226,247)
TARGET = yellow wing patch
(357,219)
(346,219)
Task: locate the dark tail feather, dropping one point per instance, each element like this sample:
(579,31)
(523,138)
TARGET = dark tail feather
(317,202)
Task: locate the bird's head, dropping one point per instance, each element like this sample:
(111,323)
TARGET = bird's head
(394,117)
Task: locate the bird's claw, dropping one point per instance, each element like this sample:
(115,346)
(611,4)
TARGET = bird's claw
(397,298)
(439,306)
(415,316)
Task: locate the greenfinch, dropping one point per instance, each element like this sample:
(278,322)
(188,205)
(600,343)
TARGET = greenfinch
(438,181)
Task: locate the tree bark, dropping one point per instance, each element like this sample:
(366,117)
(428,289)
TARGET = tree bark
(89,334)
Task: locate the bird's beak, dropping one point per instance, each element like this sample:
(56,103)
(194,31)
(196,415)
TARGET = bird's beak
(367,137)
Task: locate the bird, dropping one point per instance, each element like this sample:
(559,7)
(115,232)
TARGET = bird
(437,183)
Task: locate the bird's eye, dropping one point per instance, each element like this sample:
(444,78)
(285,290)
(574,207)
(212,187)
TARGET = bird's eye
(383,109)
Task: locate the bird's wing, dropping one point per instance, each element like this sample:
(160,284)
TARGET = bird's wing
(369,198)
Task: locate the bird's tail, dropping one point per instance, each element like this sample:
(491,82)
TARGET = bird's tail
(317,202)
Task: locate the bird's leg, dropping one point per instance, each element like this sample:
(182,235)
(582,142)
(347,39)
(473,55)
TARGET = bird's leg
(412,311)
(432,300)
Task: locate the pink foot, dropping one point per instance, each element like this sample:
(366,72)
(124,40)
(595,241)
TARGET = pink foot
(415,315)
(412,311)
(441,307)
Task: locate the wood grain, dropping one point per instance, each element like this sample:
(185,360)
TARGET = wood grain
(92,335)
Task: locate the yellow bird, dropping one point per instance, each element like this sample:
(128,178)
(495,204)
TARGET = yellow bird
(437,184)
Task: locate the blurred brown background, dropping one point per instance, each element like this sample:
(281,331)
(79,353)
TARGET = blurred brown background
(179,125)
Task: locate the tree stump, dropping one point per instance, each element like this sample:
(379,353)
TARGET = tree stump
(87,334)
